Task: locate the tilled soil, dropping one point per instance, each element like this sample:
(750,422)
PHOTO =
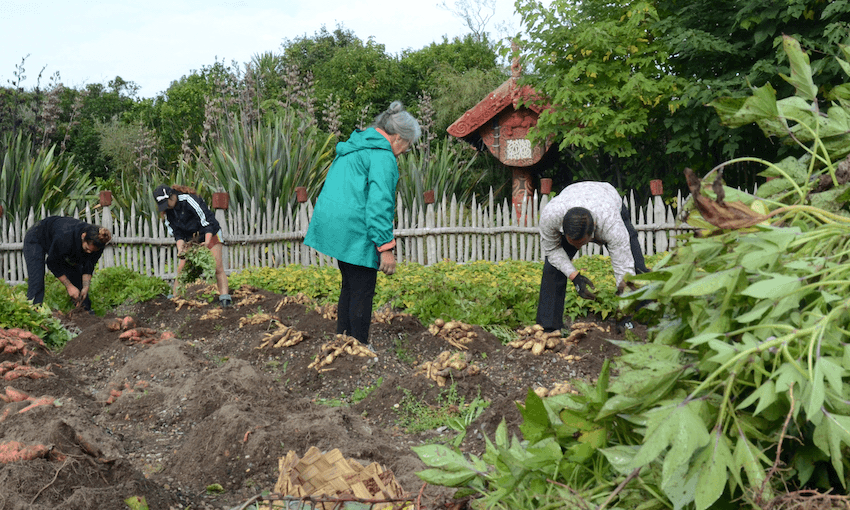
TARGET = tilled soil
(168,418)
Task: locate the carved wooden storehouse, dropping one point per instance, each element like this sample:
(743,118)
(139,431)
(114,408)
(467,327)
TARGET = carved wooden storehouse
(500,124)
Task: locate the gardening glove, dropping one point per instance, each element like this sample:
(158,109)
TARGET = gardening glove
(582,283)
(625,324)
(387,262)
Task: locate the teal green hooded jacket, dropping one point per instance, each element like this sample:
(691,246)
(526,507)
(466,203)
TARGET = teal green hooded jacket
(355,209)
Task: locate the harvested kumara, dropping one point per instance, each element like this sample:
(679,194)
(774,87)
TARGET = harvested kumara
(283,336)
(447,366)
(249,300)
(15,341)
(11,370)
(328,311)
(534,339)
(257,318)
(212,314)
(297,299)
(386,315)
(457,333)
(558,389)
(340,345)
(190,303)
(579,330)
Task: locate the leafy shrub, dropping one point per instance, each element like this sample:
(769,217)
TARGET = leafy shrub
(200,265)
(482,293)
(113,286)
(739,398)
(18,312)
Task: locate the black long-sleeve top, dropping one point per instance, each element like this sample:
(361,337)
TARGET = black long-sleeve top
(62,240)
(190,216)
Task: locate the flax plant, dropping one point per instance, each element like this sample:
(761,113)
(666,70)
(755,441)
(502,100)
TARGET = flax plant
(267,162)
(446,171)
(32,179)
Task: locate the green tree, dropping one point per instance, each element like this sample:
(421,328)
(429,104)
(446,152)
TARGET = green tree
(360,75)
(82,111)
(631,78)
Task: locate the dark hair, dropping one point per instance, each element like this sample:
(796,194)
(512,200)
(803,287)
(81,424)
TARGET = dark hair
(396,121)
(578,223)
(97,235)
(179,188)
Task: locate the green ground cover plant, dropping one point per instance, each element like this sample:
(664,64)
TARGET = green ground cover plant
(17,312)
(483,293)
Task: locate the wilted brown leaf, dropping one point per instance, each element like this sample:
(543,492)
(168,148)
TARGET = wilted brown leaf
(726,215)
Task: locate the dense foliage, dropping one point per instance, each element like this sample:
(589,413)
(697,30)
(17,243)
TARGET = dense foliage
(17,312)
(483,293)
(631,79)
(740,394)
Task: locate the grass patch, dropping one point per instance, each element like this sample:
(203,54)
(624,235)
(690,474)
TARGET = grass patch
(451,411)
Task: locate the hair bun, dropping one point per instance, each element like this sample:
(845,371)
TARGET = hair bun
(395,107)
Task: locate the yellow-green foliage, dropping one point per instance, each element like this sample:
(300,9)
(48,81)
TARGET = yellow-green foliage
(482,293)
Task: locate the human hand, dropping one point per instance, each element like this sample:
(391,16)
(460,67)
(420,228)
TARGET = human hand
(74,294)
(387,262)
(622,286)
(582,283)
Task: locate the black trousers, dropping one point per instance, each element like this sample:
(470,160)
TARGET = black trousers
(553,283)
(354,310)
(34,257)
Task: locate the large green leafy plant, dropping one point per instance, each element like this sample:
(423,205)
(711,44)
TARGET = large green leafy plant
(742,390)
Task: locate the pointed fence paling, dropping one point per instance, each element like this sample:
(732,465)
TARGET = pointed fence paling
(272,235)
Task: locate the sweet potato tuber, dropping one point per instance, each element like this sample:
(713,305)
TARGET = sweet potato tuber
(128,323)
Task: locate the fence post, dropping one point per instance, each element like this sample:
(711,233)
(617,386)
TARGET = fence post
(660,215)
(220,203)
(430,242)
(105,201)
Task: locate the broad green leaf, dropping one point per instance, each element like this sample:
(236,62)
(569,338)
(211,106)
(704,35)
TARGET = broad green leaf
(801,70)
(814,394)
(620,457)
(765,394)
(679,488)
(446,478)
(777,286)
(833,373)
(755,314)
(617,404)
(678,427)
(829,435)
(723,351)
(710,284)
(440,456)
(535,418)
(713,462)
(595,438)
(749,458)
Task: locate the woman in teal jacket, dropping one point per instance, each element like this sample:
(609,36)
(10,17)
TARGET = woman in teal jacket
(353,218)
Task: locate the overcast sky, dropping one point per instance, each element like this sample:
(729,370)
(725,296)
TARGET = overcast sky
(154,42)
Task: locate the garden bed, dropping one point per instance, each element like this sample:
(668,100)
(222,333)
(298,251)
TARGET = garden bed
(174,419)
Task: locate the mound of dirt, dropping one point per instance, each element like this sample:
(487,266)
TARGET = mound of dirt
(198,397)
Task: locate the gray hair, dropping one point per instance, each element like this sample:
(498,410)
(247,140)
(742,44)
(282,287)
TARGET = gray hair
(396,121)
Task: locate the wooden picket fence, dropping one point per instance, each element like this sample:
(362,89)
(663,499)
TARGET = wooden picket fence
(425,234)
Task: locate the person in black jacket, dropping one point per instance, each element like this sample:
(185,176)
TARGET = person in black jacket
(72,249)
(188,219)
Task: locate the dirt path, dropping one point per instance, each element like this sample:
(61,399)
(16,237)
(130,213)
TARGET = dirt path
(112,418)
